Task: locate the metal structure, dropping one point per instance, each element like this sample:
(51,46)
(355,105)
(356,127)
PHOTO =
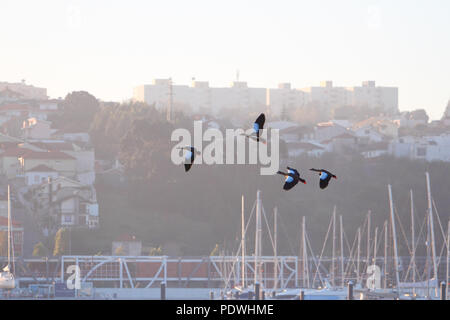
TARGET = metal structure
(148,271)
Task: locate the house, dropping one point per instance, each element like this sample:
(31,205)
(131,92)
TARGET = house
(34,128)
(14,110)
(61,162)
(327,130)
(10,164)
(428,148)
(85,164)
(39,174)
(374,150)
(126,245)
(311,149)
(368,134)
(75,203)
(84,156)
(76,210)
(411,119)
(382,125)
(16,233)
(342,143)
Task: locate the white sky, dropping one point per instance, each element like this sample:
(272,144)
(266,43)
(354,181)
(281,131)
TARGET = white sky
(107,47)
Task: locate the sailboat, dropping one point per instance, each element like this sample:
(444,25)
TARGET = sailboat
(7,280)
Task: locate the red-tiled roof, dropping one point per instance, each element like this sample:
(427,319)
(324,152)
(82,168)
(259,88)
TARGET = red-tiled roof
(15,152)
(47,155)
(126,237)
(345,136)
(14,107)
(14,223)
(8,144)
(41,168)
(54,146)
(304,146)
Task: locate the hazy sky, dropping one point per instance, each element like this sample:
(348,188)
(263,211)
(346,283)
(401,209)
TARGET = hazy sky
(106,47)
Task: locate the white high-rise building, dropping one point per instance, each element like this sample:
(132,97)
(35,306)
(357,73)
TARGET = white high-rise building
(200,97)
(283,98)
(368,95)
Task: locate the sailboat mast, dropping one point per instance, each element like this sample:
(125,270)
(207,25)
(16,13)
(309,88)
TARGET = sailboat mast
(448,255)
(243,243)
(375,246)
(275,247)
(433,245)
(394,236)
(334,248)
(9,227)
(342,251)
(368,236)
(258,237)
(413,239)
(305,254)
(386,239)
(358,255)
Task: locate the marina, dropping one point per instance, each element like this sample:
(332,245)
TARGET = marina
(349,273)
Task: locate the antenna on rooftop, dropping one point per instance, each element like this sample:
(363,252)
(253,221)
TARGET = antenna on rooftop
(169,105)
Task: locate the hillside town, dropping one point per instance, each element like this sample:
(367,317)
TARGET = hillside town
(52,172)
(380,130)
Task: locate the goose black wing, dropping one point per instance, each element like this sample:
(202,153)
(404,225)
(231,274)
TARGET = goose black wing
(325,177)
(259,124)
(189,159)
(290,182)
(324,183)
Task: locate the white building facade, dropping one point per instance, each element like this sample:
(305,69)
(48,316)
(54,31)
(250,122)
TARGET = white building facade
(199,96)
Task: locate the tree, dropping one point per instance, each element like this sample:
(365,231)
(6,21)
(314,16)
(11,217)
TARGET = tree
(61,242)
(40,250)
(446,114)
(155,251)
(144,150)
(215,251)
(112,122)
(419,114)
(119,251)
(78,110)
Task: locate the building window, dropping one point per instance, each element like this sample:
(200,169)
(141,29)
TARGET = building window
(17,238)
(421,152)
(82,220)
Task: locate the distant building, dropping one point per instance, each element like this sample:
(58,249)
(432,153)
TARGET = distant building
(200,96)
(429,148)
(283,98)
(39,174)
(34,128)
(367,95)
(126,245)
(25,91)
(74,202)
(327,130)
(63,163)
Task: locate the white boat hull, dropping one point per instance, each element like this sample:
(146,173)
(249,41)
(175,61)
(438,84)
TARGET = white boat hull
(7,280)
